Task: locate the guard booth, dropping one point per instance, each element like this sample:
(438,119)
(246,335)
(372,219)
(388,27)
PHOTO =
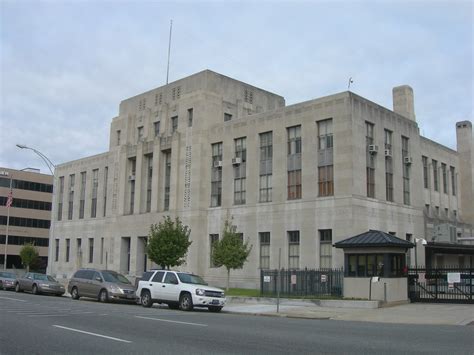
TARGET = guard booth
(375,266)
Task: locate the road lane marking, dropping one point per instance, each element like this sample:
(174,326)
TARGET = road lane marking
(173,321)
(13,299)
(93,334)
(54,315)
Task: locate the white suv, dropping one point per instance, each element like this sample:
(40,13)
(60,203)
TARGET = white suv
(178,290)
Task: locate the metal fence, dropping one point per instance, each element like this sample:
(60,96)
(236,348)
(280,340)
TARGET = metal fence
(446,284)
(303,283)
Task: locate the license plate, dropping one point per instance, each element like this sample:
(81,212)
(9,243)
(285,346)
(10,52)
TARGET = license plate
(215,302)
(130,296)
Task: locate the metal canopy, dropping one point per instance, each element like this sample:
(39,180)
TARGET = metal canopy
(373,238)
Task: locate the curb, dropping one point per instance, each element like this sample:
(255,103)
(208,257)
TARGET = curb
(277,315)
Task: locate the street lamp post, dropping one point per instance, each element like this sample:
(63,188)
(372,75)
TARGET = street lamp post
(51,168)
(423,242)
(46,160)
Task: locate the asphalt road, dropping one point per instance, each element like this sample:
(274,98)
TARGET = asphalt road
(59,325)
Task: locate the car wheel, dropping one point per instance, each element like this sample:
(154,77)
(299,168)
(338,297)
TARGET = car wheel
(74,293)
(17,287)
(103,296)
(34,290)
(173,305)
(186,302)
(214,309)
(146,300)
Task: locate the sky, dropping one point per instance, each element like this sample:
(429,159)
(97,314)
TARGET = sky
(66,65)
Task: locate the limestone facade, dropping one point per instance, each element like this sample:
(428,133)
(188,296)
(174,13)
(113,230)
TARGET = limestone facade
(293,178)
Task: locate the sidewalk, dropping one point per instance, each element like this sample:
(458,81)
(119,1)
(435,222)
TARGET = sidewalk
(412,313)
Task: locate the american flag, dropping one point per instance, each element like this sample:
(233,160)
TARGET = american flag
(9,199)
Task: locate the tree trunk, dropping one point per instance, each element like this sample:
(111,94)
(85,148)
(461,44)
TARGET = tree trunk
(228,278)
(28,268)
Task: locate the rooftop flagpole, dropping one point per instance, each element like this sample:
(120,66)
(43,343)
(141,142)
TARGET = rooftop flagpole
(169,51)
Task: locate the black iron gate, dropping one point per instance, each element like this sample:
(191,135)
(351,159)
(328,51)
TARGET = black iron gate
(302,283)
(441,285)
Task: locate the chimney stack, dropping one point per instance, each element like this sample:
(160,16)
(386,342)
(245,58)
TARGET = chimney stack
(403,101)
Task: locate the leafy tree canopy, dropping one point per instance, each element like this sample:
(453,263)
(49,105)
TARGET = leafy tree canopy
(29,255)
(168,242)
(231,251)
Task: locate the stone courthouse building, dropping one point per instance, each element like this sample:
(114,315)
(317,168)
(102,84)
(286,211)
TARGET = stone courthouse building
(297,178)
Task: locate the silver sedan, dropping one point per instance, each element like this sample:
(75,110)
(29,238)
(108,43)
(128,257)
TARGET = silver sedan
(39,283)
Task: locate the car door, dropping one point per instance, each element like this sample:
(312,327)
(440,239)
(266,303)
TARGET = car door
(155,285)
(84,283)
(95,284)
(170,287)
(27,282)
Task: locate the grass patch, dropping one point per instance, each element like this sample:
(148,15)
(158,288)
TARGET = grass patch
(244,292)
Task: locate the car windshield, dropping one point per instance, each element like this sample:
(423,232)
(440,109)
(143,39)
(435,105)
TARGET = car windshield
(114,277)
(42,277)
(191,279)
(8,275)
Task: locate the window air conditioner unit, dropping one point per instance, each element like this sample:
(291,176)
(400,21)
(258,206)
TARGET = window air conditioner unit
(218,164)
(131,177)
(373,148)
(236,161)
(408,160)
(388,153)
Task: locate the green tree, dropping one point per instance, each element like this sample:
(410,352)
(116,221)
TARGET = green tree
(231,251)
(29,255)
(168,242)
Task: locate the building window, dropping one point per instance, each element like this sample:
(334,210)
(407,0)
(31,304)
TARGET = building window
(325,248)
(95,186)
(71,196)
(435,175)
(427,209)
(106,176)
(133,165)
(149,177)
(60,198)
(405,171)
(445,178)
(240,171)
(293,249)
(213,238)
(174,124)
(156,127)
(264,250)
(248,96)
(56,250)
(166,206)
(365,265)
(140,133)
(294,140)
(326,180)
(370,170)
(227,117)
(425,172)
(294,162)
(102,250)
(325,161)
(68,247)
(216,174)
(79,248)
(190,117)
(91,250)
(325,139)
(82,195)
(118,137)
(388,167)
(266,166)
(453,180)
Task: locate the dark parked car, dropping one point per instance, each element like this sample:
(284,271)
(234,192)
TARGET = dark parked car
(103,285)
(7,280)
(39,283)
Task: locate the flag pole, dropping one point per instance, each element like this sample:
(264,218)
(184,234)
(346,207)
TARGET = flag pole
(169,51)
(9,202)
